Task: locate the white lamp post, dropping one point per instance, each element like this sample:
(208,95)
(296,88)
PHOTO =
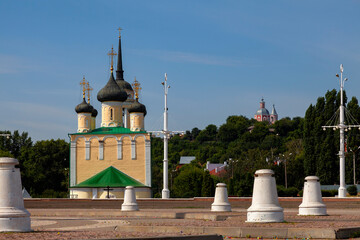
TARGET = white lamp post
(165,194)
(354,153)
(343,128)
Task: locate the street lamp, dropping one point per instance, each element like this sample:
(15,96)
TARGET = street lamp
(285,168)
(354,152)
(343,128)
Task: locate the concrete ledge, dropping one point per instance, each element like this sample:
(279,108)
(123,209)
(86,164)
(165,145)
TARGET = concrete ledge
(347,232)
(322,233)
(118,213)
(327,233)
(198,237)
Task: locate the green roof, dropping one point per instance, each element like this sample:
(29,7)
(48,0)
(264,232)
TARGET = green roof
(109,130)
(111,177)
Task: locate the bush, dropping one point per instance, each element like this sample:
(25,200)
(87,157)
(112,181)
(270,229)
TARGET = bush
(329,193)
(352,190)
(301,192)
(287,192)
(50,193)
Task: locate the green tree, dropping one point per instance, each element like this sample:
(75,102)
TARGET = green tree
(46,167)
(5,154)
(189,182)
(208,134)
(207,189)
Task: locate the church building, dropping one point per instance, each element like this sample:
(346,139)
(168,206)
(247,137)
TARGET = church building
(263,115)
(104,160)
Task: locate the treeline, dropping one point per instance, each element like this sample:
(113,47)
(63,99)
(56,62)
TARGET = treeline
(44,166)
(248,145)
(321,147)
(245,144)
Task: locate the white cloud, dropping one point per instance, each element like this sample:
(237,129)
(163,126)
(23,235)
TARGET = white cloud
(41,121)
(177,56)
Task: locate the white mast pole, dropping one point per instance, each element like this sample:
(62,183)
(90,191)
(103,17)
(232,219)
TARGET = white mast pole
(342,188)
(165,192)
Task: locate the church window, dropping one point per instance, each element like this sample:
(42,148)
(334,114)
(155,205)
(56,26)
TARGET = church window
(111,114)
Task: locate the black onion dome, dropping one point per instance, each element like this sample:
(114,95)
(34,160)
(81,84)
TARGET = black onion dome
(94,113)
(137,107)
(124,84)
(84,107)
(111,92)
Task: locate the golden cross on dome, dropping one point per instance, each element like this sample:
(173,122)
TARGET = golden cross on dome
(83,84)
(88,89)
(112,54)
(119,31)
(137,88)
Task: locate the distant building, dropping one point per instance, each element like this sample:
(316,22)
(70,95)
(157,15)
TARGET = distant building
(216,169)
(263,115)
(185,160)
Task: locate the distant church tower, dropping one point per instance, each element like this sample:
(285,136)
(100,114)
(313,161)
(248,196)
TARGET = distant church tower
(103,161)
(263,115)
(273,115)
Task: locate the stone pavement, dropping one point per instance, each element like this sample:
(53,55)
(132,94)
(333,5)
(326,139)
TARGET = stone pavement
(194,219)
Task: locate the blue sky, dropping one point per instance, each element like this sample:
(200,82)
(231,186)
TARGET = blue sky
(221,57)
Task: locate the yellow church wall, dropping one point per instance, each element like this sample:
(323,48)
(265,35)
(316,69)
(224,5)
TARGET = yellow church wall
(126,149)
(135,168)
(80,151)
(81,193)
(119,193)
(94,149)
(111,114)
(110,151)
(136,121)
(84,120)
(140,154)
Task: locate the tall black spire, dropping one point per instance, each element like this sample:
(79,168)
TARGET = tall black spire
(119,70)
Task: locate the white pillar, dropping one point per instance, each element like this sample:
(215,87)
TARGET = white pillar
(148,163)
(129,200)
(119,149)
(312,203)
(73,163)
(221,202)
(133,149)
(165,194)
(87,150)
(342,188)
(101,150)
(265,204)
(13,216)
(94,193)
(126,118)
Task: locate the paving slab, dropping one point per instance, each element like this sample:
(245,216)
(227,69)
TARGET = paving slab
(179,217)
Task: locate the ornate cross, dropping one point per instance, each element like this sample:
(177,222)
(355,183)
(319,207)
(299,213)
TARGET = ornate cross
(137,88)
(88,89)
(119,31)
(112,54)
(83,84)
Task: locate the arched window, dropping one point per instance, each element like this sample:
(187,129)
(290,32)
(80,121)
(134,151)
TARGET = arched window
(111,114)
